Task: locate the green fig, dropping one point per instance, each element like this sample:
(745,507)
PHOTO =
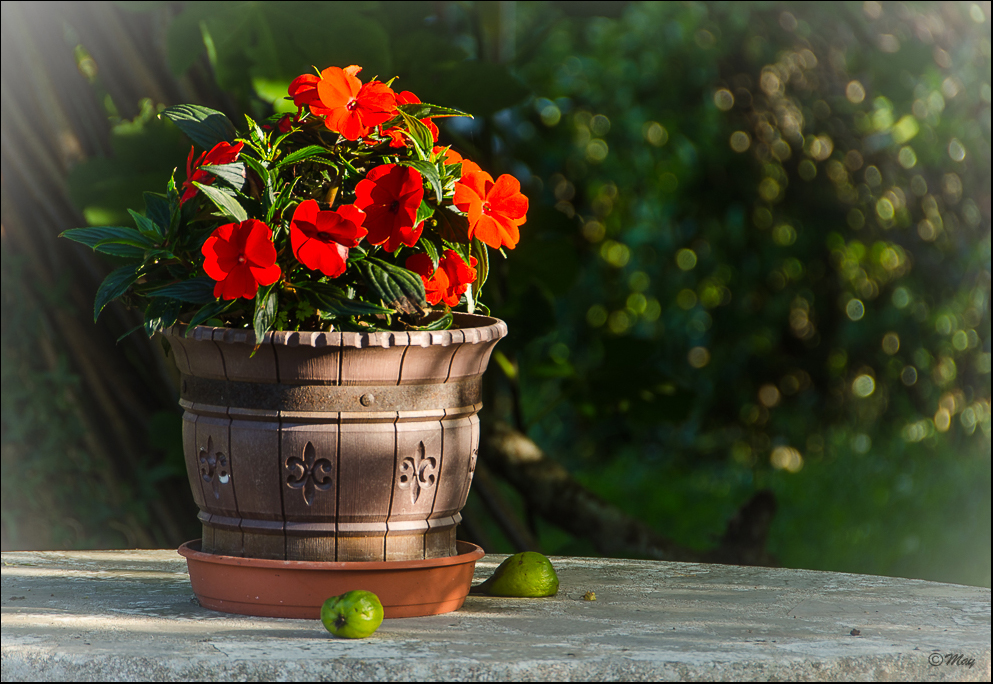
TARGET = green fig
(353,615)
(524,575)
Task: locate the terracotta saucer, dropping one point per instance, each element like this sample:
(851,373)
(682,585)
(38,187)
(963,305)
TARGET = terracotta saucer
(297,589)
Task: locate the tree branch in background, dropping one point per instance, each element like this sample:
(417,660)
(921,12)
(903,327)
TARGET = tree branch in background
(555,495)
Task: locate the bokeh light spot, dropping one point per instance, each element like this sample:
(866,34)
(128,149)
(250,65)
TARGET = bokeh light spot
(855,309)
(855,92)
(891,343)
(861,443)
(872,176)
(786,458)
(639,281)
(698,357)
(724,99)
(596,151)
(686,299)
(740,141)
(956,150)
(768,189)
(600,125)
(907,157)
(686,259)
(784,234)
(769,395)
(655,133)
(596,316)
(863,386)
(619,322)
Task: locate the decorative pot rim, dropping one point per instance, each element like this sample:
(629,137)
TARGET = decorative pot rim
(191,550)
(474,329)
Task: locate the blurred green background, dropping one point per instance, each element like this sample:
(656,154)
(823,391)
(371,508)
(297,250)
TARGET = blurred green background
(757,257)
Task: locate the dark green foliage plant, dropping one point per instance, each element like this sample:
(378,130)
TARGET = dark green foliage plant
(778,225)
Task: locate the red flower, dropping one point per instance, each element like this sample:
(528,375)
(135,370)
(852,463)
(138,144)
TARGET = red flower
(348,106)
(449,282)
(221,153)
(495,210)
(303,90)
(390,195)
(397,136)
(240,257)
(321,239)
(285,123)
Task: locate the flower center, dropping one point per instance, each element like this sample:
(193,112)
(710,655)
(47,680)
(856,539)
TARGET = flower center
(352,105)
(241,259)
(487,208)
(395,207)
(323,236)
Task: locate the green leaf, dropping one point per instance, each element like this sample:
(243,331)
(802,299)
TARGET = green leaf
(452,225)
(158,209)
(431,251)
(209,311)
(441,323)
(420,135)
(160,314)
(232,174)
(424,110)
(257,134)
(105,239)
(429,171)
(399,288)
(332,300)
(424,212)
(266,309)
(137,241)
(132,330)
(114,285)
(195,291)
(146,226)
(225,202)
(204,126)
(482,254)
(300,155)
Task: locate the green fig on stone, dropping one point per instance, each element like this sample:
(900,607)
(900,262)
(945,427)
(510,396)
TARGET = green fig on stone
(353,615)
(524,575)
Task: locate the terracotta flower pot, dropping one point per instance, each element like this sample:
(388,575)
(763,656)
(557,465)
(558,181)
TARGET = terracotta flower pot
(332,446)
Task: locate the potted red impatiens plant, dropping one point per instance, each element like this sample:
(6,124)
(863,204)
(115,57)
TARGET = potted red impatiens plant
(306,275)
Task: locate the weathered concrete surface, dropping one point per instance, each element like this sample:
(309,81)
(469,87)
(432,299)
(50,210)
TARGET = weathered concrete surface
(90,616)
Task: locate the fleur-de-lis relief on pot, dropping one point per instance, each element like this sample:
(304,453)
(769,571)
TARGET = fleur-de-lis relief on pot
(309,473)
(418,472)
(214,463)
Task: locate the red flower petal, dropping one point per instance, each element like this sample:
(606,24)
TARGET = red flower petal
(240,257)
(337,87)
(390,196)
(320,239)
(303,90)
(259,250)
(421,264)
(506,197)
(239,283)
(407,97)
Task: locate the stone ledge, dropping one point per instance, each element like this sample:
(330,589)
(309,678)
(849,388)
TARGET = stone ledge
(130,615)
